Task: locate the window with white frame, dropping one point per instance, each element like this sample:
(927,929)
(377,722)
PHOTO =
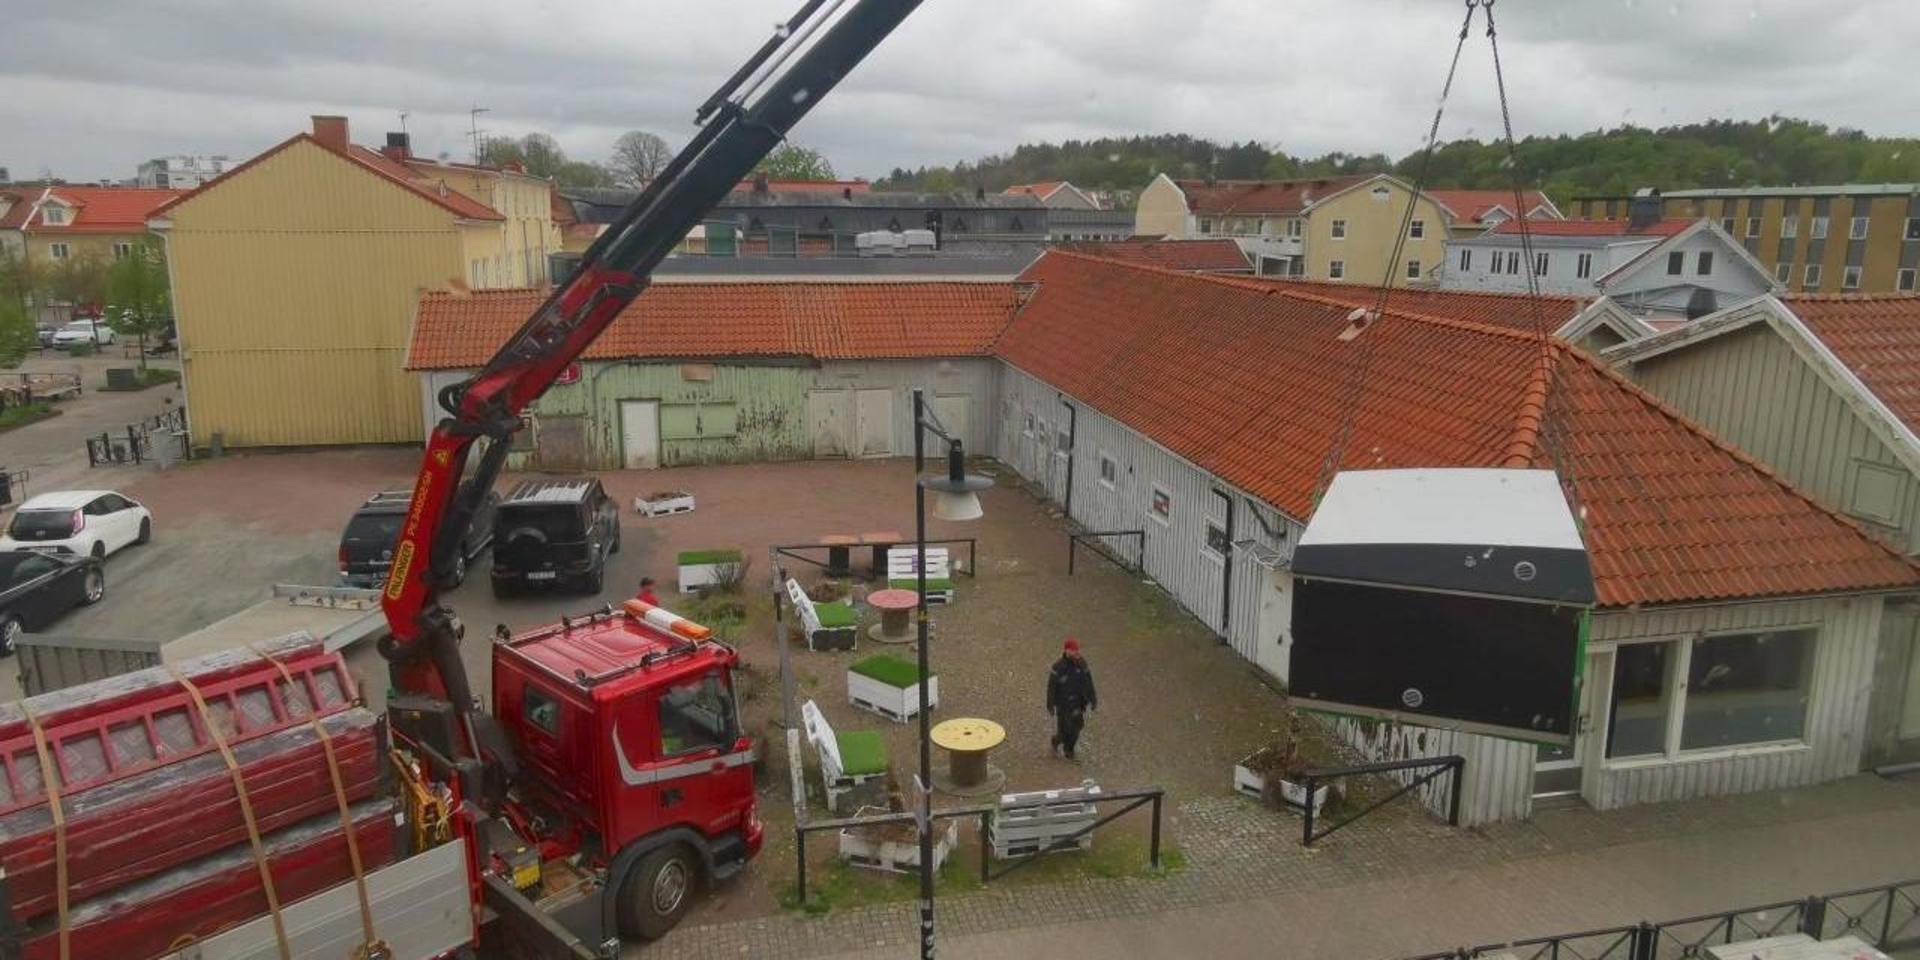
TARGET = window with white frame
(1789,227)
(1206,225)
(122,249)
(1818,229)
(1813,276)
(53,215)
(1513,262)
(1704,263)
(1413,269)
(1850,278)
(1711,692)
(1676,263)
(1216,545)
(1726,223)
(1336,269)
(1857,228)
(1904,279)
(1339,229)
(1466,259)
(1293,227)
(1783,272)
(1160,504)
(59,251)
(1753,227)
(1417,229)
(1583,266)
(1913,228)
(1499,258)
(1109,470)
(1540,261)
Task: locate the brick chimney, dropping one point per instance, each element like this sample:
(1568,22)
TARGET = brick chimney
(399,146)
(331,132)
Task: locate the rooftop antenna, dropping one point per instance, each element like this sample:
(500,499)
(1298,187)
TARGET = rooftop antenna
(403,120)
(473,129)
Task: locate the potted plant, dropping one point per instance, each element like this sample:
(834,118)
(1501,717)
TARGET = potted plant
(1273,772)
(894,846)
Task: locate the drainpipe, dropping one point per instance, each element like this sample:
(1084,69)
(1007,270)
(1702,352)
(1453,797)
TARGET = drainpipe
(1226,569)
(1073,431)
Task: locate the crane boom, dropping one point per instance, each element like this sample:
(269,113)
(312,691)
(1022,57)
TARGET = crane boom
(743,120)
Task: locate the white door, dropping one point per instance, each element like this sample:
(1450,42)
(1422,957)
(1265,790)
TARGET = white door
(1560,771)
(827,421)
(640,434)
(1276,623)
(873,409)
(952,411)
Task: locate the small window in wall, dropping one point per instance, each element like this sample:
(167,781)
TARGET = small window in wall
(59,251)
(1904,279)
(1583,266)
(1753,227)
(1417,229)
(1206,225)
(705,420)
(1499,258)
(540,709)
(1789,227)
(1913,228)
(1109,471)
(1217,543)
(1783,272)
(1876,493)
(1726,223)
(1413,269)
(1710,693)
(1466,259)
(1818,229)
(122,250)
(1062,441)
(1813,276)
(1857,228)
(1704,264)
(1850,278)
(1513,263)
(1160,504)
(53,215)
(1339,229)
(1676,263)
(1540,262)
(1336,270)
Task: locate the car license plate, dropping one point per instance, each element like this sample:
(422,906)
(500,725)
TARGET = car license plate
(541,575)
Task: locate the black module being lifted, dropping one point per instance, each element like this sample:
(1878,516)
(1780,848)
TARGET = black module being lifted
(1452,598)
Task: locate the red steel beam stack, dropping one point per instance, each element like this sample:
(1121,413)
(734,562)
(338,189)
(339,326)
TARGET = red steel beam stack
(157,847)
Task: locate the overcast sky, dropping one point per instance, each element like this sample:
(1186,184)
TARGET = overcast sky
(92,88)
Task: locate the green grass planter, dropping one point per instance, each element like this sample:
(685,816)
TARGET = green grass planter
(890,687)
(706,568)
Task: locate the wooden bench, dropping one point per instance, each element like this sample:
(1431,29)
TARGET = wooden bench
(829,626)
(847,760)
(901,572)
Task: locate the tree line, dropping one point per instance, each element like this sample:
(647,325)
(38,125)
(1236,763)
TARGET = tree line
(1715,153)
(636,158)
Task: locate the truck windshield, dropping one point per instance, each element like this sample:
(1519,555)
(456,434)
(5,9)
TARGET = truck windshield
(697,715)
(41,525)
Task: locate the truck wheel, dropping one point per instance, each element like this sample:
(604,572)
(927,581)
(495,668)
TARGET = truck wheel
(593,580)
(658,892)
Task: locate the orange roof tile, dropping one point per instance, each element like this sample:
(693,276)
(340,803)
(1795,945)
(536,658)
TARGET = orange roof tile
(1877,336)
(100,209)
(1221,254)
(1471,206)
(1261,196)
(1248,380)
(827,321)
(1511,310)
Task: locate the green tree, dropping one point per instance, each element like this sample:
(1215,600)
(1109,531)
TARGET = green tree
(21,279)
(16,333)
(137,288)
(582,173)
(791,161)
(77,281)
(540,155)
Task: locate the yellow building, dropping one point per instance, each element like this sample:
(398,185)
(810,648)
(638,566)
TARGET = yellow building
(1332,228)
(1845,238)
(295,276)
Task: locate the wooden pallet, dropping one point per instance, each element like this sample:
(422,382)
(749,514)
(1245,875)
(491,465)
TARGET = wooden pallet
(1025,832)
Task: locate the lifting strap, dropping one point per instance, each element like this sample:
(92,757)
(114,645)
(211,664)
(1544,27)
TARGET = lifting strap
(246,809)
(370,945)
(50,781)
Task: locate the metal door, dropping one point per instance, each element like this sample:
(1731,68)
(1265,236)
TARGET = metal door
(827,421)
(1276,615)
(639,434)
(874,411)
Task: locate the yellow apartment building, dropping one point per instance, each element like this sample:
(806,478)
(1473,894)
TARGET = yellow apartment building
(58,223)
(295,275)
(1844,238)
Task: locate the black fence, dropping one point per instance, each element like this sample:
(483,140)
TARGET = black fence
(139,442)
(1434,767)
(1885,916)
(1095,541)
(1130,800)
(837,558)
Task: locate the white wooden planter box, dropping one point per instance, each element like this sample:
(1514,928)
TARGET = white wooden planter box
(898,704)
(895,855)
(692,576)
(662,504)
(1292,794)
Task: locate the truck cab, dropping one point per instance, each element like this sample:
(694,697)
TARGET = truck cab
(626,727)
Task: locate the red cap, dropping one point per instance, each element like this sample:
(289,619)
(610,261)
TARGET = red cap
(1072,646)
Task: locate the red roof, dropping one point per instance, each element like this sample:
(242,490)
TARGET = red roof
(1877,336)
(1043,189)
(1593,228)
(1218,254)
(1472,206)
(393,171)
(23,199)
(96,209)
(1248,380)
(1511,310)
(1229,197)
(827,321)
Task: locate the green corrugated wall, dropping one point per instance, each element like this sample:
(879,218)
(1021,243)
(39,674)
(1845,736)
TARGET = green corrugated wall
(770,403)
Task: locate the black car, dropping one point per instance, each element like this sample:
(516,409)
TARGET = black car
(366,546)
(36,588)
(555,532)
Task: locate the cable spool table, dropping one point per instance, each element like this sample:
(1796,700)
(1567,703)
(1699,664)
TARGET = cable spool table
(967,741)
(896,615)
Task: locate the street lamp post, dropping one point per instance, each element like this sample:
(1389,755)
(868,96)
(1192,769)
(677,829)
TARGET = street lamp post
(956,498)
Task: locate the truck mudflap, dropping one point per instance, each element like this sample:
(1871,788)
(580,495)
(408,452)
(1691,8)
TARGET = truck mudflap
(523,928)
(420,910)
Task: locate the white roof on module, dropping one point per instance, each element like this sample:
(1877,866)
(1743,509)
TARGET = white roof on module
(1466,505)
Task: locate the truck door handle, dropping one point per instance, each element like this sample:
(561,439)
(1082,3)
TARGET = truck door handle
(669,796)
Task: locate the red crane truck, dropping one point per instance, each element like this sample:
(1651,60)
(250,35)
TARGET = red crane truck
(611,779)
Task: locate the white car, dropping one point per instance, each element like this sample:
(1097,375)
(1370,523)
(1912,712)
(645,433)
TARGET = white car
(87,522)
(82,331)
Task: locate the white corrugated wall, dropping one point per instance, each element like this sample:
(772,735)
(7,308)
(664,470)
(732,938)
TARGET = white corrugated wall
(1496,781)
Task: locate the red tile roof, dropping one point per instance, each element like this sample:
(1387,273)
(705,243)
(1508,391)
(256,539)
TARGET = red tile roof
(118,210)
(1471,206)
(1229,197)
(1043,189)
(1877,336)
(826,321)
(23,199)
(1511,310)
(1219,255)
(1248,380)
(392,171)
(1593,228)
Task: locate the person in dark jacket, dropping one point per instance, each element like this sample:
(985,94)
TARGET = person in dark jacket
(1070,695)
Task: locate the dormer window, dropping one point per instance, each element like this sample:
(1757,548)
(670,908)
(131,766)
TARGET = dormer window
(53,215)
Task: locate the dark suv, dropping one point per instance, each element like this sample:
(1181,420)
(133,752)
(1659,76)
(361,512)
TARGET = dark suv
(366,546)
(553,532)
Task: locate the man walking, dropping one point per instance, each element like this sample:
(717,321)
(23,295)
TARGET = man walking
(1069,696)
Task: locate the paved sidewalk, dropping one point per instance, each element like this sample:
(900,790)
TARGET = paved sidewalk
(1401,889)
